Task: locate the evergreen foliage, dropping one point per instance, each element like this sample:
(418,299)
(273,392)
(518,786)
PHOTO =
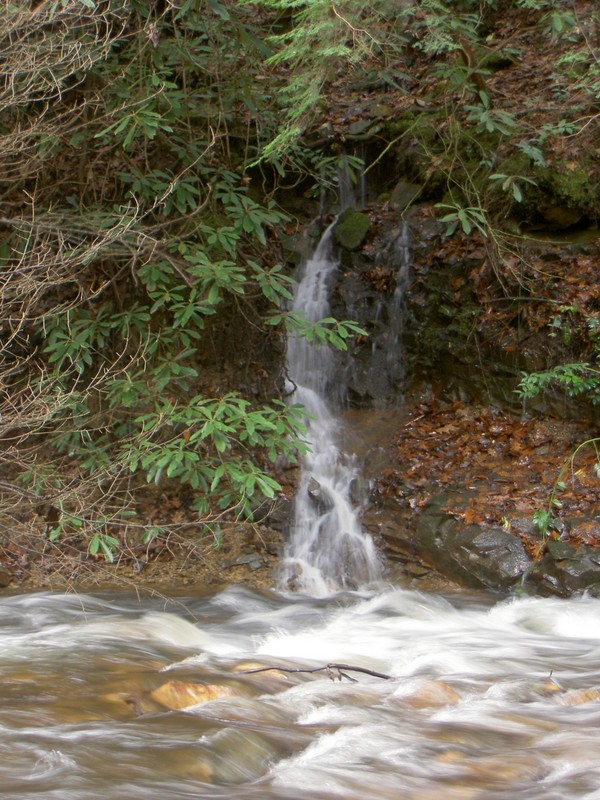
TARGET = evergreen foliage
(133,248)
(320,41)
(136,247)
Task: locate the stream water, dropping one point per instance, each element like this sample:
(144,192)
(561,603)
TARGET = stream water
(464,714)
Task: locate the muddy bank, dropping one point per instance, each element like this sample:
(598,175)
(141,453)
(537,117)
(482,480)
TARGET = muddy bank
(247,554)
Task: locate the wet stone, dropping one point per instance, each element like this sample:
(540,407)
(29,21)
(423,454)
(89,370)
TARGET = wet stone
(565,570)
(318,497)
(351,229)
(470,554)
(177,695)
(431,694)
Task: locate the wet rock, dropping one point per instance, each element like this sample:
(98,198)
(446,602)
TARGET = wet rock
(240,756)
(319,497)
(279,513)
(432,694)
(351,229)
(404,195)
(565,570)
(186,763)
(450,793)
(359,490)
(266,677)
(470,554)
(493,770)
(494,558)
(579,697)
(177,695)
(497,770)
(128,705)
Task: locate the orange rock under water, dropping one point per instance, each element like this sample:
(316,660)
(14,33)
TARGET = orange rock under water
(432,694)
(177,695)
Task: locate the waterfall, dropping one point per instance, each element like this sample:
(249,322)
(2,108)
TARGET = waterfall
(327,550)
(401,256)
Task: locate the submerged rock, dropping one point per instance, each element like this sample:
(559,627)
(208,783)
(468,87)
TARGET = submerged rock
(431,694)
(238,756)
(177,695)
(579,697)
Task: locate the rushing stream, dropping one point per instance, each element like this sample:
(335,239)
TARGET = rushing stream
(466,712)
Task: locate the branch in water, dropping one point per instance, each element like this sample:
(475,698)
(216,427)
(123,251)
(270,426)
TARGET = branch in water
(335,671)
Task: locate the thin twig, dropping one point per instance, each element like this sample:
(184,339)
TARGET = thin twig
(330,668)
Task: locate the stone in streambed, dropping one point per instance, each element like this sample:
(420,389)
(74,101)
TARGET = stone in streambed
(431,694)
(497,770)
(240,756)
(578,697)
(178,695)
(123,706)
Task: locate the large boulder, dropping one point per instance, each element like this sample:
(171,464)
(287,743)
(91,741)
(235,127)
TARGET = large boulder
(473,555)
(487,556)
(565,570)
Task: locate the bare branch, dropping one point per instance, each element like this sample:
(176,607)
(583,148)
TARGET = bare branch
(335,671)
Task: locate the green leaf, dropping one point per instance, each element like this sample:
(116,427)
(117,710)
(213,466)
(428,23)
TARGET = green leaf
(219,9)
(517,193)
(464,221)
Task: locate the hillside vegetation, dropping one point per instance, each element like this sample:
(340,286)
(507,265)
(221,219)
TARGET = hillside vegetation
(155,156)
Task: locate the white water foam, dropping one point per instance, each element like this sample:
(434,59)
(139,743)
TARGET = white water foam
(460,715)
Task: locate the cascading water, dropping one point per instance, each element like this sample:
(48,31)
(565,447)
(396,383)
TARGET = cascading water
(327,549)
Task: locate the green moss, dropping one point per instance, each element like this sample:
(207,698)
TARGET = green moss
(446,322)
(420,125)
(351,229)
(515,164)
(574,187)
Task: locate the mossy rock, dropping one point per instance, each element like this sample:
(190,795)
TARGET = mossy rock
(351,229)
(573,189)
(404,195)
